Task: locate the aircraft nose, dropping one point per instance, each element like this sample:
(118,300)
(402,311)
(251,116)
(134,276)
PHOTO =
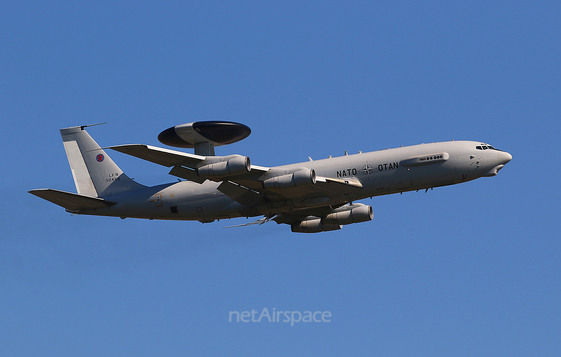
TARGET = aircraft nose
(503,157)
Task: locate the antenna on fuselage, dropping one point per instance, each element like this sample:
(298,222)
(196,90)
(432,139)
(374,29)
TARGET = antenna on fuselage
(87,126)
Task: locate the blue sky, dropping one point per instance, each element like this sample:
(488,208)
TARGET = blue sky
(471,269)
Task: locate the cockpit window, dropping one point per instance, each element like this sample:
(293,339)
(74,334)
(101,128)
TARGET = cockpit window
(485,147)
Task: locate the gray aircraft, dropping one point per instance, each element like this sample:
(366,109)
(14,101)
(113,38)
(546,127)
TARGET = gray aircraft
(313,196)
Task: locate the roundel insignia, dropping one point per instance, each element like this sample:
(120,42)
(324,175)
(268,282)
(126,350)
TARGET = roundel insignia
(99,157)
(367,169)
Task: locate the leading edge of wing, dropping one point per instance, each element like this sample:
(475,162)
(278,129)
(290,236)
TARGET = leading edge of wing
(170,158)
(158,155)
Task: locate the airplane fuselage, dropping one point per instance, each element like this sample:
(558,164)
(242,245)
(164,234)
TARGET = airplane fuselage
(373,174)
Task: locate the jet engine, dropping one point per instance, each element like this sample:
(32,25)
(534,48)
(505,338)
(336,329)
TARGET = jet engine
(354,213)
(299,178)
(313,226)
(349,214)
(233,166)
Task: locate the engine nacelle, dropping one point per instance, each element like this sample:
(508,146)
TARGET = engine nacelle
(354,213)
(299,178)
(234,166)
(313,226)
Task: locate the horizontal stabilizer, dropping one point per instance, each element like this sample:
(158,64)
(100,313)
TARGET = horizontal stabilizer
(71,201)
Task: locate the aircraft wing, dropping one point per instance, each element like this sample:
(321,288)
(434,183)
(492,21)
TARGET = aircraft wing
(245,188)
(168,157)
(160,156)
(184,164)
(348,182)
(323,192)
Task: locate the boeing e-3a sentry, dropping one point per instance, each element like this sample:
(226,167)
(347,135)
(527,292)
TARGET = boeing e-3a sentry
(313,196)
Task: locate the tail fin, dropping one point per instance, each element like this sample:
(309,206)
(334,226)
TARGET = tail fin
(95,174)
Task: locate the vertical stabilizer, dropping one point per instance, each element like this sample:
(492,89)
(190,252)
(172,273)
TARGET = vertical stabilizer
(95,174)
